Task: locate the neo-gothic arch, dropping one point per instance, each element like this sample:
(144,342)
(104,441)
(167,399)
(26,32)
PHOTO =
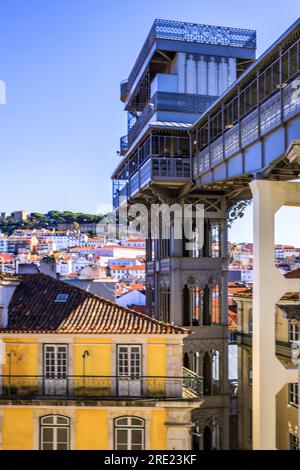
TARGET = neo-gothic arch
(164,282)
(193,278)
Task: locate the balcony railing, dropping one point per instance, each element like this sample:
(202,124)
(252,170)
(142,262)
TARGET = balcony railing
(175,169)
(266,98)
(99,387)
(259,122)
(172,102)
(170,167)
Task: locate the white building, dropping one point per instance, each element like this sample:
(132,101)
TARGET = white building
(135,242)
(64,240)
(64,267)
(3,244)
(117,251)
(124,261)
(128,272)
(133,297)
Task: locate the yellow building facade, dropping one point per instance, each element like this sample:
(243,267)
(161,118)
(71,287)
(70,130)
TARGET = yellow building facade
(100,378)
(287,400)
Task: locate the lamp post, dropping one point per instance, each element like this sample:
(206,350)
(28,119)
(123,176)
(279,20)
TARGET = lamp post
(84,356)
(11,353)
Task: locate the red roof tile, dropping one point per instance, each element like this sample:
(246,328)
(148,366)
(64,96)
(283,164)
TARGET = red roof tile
(293,274)
(33,310)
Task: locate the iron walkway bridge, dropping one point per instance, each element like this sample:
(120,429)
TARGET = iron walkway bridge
(244,135)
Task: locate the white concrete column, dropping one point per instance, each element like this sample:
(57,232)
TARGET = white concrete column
(191,74)
(212,77)
(223,75)
(201,76)
(269,375)
(232,71)
(179,69)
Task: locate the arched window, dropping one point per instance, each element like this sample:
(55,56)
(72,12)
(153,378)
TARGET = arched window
(129,433)
(54,432)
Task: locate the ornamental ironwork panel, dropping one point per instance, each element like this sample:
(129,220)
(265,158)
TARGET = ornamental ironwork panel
(270,113)
(217,151)
(232,140)
(145,173)
(192,32)
(291,98)
(249,128)
(206,34)
(166,101)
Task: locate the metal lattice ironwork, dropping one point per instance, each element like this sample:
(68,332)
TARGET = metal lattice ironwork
(164,101)
(192,32)
(270,98)
(207,34)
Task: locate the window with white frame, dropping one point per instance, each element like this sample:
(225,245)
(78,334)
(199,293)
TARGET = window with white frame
(129,361)
(293,394)
(54,432)
(55,361)
(294,441)
(293,331)
(129,433)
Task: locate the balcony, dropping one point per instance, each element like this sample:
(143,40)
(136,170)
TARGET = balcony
(25,387)
(162,170)
(170,102)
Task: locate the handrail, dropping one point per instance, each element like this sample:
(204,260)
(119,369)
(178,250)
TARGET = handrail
(99,386)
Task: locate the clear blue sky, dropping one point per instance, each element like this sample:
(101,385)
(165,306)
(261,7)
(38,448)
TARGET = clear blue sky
(62,61)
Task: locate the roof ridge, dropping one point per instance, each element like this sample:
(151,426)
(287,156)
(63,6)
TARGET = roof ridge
(75,314)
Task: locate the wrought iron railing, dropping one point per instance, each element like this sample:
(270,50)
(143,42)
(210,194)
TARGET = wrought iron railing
(99,387)
(210,386)
(153,168)
(278,109)
(173,102)
(170,167)
(191,381)
(141,122)
(268,96)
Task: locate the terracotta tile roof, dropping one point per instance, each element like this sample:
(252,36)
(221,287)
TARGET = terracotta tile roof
(232,320)
(132,267)
(138,308)
(293,274)
(246,293)
(33,310)
(11,277)
(292,296)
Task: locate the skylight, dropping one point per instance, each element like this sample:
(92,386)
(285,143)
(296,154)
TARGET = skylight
(61,297)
